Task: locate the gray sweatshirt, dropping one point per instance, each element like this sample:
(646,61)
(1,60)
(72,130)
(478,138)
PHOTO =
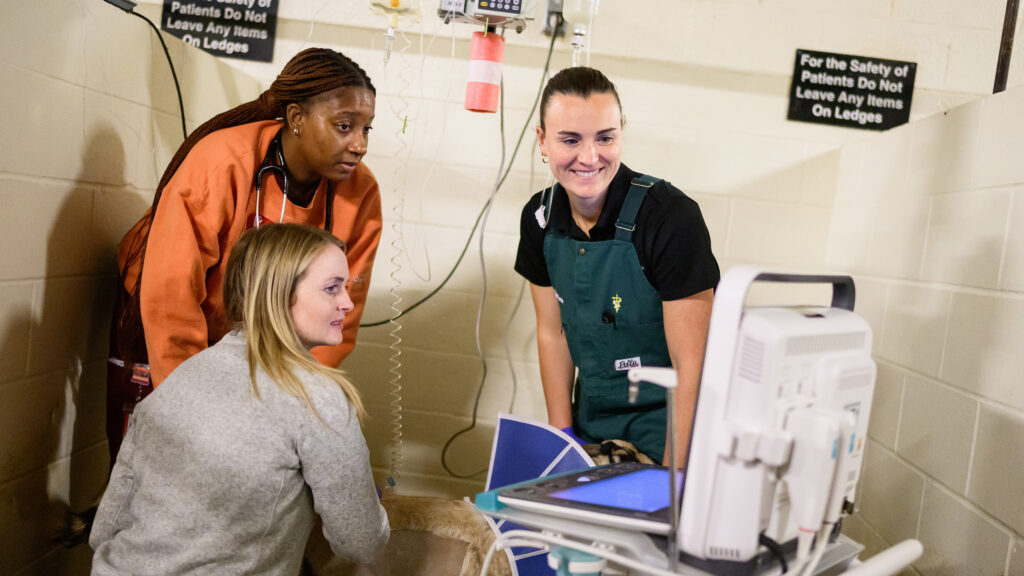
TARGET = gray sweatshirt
(212,480)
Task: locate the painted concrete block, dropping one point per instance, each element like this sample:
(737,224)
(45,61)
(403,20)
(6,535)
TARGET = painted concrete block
(936,430)
(984,353)
(915,327)
(966,234)
(998,466)
(958,539)
(890,497)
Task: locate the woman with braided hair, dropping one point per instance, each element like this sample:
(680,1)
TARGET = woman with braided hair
(292,155)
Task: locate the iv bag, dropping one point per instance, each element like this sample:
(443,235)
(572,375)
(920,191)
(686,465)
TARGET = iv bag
(579,12)
(388,8)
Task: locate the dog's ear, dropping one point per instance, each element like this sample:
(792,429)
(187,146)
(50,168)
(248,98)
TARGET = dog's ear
(635,454)
(618,451)
(597,454)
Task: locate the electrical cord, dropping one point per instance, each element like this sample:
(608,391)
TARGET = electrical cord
(177,87)
(397,253)
(483,298)
(483,217)
(480,216)
(398,245)
(515,310)
(508,353)
(819,548)
(776,551)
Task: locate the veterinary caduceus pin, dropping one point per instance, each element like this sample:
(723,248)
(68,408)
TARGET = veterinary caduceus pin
(616,303)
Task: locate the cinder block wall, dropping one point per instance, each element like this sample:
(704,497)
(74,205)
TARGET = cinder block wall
(90,120)
(930,219)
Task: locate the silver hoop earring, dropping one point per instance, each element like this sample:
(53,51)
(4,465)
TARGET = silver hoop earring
(295,131)
(544,158)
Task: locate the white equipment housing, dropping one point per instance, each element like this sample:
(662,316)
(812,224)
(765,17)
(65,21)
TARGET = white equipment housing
(765,371)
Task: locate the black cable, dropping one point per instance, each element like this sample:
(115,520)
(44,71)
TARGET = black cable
(483,377)
(526,125)
(177,87)
(775,549)
(1005,47)
(480,311)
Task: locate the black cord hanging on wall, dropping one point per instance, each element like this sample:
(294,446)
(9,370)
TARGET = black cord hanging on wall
(1006,46)
(129,7)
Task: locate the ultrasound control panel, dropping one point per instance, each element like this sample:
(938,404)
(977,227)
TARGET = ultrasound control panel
(633,491)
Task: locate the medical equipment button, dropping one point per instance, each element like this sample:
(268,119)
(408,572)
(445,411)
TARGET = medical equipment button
(746,447)
(727,444)
(583,479)
(773,448)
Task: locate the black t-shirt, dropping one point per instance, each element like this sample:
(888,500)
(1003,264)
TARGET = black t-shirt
(671,239)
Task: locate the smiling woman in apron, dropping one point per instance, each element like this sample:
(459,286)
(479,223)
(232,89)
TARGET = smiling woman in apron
(621,274)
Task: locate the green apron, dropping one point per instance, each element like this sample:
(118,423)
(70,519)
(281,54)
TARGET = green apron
(612,319)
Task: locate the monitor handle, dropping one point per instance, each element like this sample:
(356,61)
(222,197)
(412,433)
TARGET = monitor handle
(843,292)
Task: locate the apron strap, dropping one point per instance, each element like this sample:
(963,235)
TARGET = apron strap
(626,223)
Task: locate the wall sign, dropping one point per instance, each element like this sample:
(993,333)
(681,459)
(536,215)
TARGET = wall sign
(851,91)
(235,28)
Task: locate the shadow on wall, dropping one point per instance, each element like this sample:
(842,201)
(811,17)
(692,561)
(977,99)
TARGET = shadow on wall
(61,441)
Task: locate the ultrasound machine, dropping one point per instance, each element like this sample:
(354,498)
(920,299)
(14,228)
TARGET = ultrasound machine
(773,465)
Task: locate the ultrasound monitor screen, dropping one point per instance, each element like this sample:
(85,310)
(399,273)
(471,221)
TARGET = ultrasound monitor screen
(643,491)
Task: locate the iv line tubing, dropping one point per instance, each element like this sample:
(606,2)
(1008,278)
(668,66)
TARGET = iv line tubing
(483,214)
(590,28)
(440,138)
(465,248)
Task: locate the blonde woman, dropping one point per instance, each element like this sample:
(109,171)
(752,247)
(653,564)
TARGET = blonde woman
(224,464)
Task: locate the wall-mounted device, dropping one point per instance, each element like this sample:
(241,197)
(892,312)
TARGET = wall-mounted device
(487,52)
(491,13)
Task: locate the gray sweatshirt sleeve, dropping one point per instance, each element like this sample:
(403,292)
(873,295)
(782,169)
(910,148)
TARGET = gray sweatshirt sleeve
(112,515)
(336,466)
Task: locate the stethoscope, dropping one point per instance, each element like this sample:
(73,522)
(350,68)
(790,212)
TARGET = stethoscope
(268,165)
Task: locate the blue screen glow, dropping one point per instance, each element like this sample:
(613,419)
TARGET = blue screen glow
(643,491)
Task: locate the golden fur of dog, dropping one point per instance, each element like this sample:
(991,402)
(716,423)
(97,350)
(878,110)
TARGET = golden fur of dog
(429,537)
